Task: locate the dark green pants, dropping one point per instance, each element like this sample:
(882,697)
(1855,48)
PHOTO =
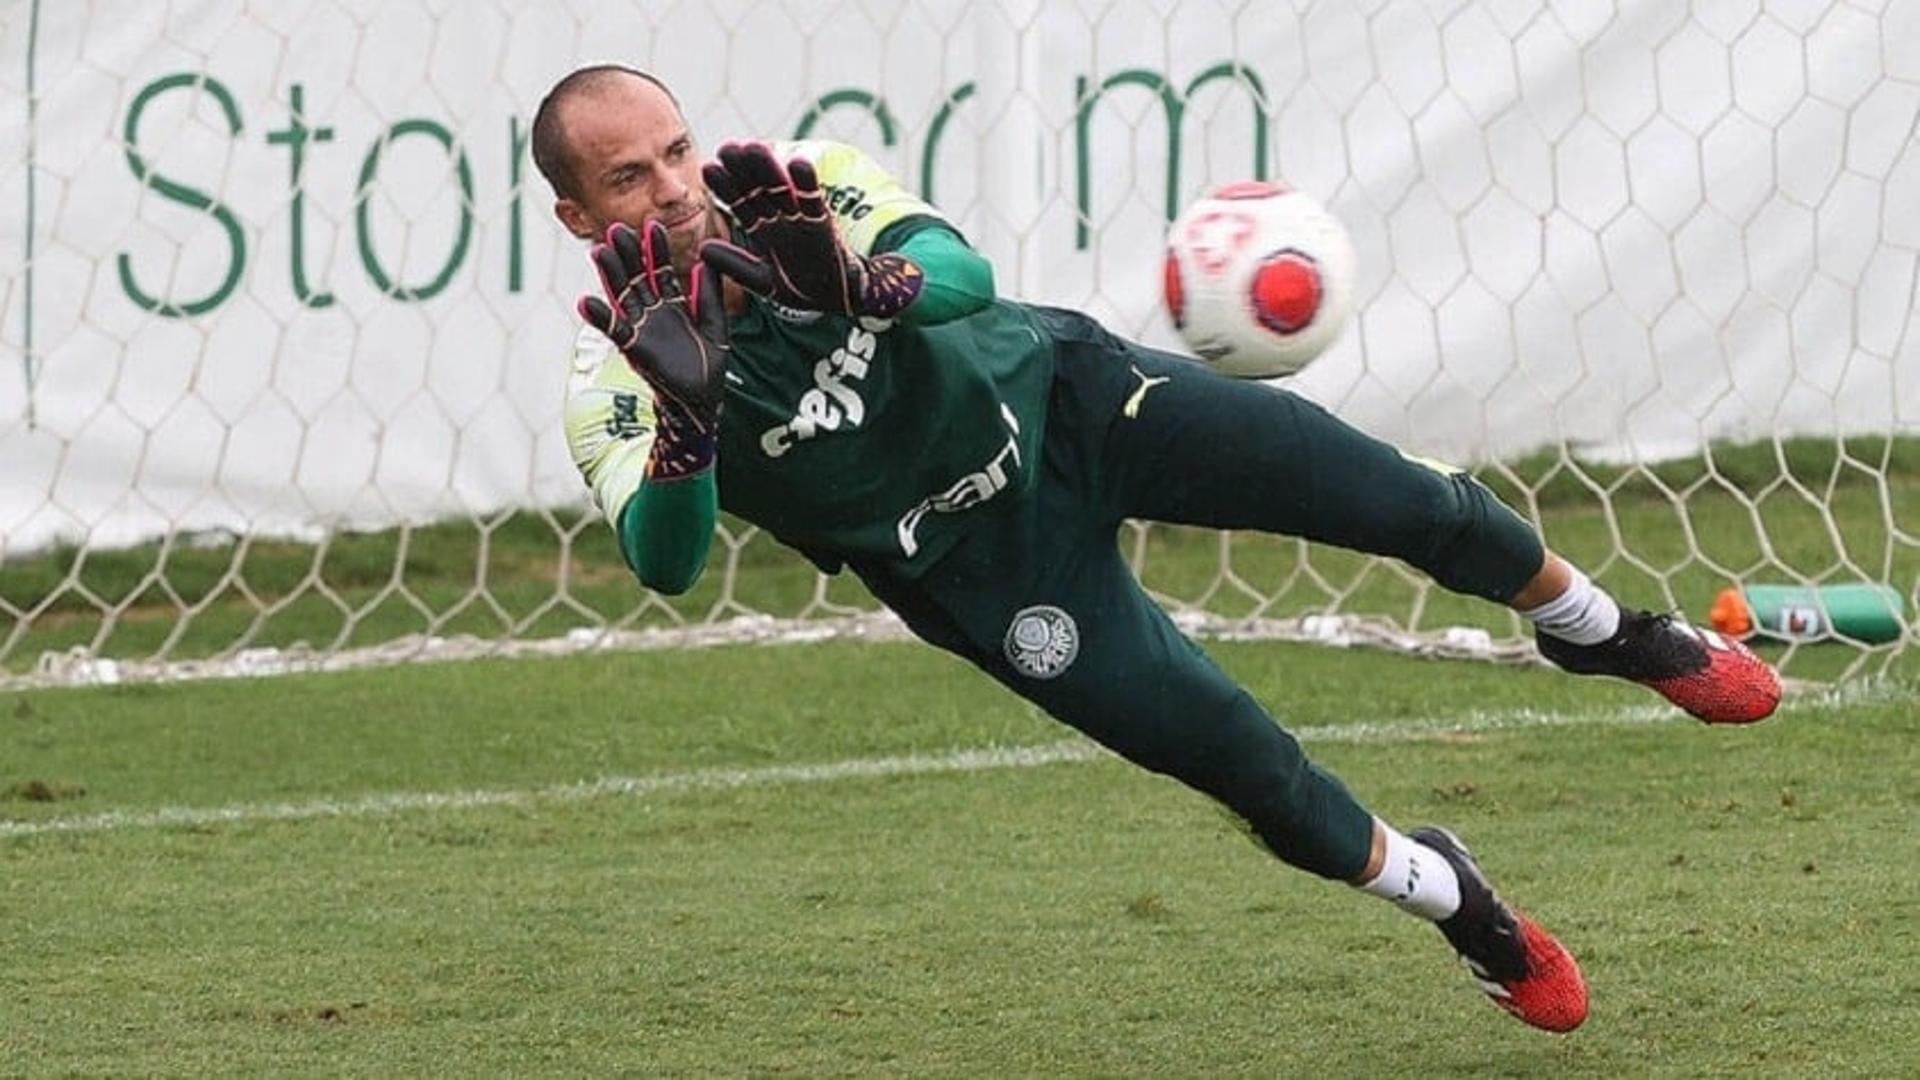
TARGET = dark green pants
(1039,596)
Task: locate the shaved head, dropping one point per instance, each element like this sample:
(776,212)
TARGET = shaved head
(552,153)
(614,145)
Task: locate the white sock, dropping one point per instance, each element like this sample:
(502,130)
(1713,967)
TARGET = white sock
(1583,615)
(1414,878)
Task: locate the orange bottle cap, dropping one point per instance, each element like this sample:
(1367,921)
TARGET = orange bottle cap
(1730,614)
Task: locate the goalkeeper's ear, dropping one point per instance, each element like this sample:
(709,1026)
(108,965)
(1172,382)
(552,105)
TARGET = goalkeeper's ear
(751,271)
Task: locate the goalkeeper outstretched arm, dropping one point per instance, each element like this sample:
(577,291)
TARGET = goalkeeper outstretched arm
(665,523)
(655,481)
(666,527)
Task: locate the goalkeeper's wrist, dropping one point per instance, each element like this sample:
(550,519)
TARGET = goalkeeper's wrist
(682,447)
(893,282)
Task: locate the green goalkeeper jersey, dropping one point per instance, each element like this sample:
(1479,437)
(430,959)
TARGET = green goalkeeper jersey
(842,438)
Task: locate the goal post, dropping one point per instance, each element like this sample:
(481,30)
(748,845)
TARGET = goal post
(284,312)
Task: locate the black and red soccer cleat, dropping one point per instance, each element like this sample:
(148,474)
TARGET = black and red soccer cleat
(1520,966)
(1714,678)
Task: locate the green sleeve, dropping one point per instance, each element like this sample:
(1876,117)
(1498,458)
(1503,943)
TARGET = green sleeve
(959,281)
(666,529)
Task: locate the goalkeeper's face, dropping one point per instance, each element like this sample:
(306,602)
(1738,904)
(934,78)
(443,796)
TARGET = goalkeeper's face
(634,159)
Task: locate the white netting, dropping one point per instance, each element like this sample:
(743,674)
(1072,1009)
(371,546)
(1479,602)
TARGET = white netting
(284,309)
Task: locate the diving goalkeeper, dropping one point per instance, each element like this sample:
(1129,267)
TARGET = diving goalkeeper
(787,333)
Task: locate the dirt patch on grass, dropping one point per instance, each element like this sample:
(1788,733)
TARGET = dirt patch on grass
(42,791)
(334,1014)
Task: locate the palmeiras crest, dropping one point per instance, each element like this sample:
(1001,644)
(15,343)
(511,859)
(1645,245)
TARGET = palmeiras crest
(1041,641)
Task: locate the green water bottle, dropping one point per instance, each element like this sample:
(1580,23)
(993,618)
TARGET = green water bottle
(1857,610)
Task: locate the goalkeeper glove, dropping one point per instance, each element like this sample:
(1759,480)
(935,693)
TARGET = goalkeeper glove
(799,258)
(676,342)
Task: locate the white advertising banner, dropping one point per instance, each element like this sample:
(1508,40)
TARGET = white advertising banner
(286,267)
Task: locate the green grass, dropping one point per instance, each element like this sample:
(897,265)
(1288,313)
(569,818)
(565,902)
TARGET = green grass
(1742,900)
(1667,536)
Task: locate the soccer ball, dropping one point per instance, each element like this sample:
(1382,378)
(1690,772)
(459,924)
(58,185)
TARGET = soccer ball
(1258,279)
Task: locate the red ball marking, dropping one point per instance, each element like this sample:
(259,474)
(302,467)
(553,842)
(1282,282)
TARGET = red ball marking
(1287,291)
(1173,290)
(1251,189)
(1214,238)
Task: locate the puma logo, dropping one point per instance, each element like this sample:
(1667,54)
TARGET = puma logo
(1131,410)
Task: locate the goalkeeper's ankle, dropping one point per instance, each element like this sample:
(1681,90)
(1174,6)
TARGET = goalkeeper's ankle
(1413,877)
(1583,614)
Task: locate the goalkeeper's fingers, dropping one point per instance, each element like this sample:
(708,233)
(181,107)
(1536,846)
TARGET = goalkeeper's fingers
(634,262)
(750,180)
(612,325)
(612,270)
(707,303)
(808,199)
(722,185)
(657,260)
(628,274)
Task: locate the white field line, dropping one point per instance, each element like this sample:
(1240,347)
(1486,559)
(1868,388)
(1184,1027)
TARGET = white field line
(964,760)
(79,667)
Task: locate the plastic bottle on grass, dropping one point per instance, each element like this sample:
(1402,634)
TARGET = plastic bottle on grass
(1861,611)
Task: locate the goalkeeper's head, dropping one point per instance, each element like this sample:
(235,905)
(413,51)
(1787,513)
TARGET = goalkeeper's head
(612,143)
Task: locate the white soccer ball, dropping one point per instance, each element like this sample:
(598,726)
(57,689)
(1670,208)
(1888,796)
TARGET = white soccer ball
(1259,279)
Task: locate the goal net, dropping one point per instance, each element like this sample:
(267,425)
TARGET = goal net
(283,310)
